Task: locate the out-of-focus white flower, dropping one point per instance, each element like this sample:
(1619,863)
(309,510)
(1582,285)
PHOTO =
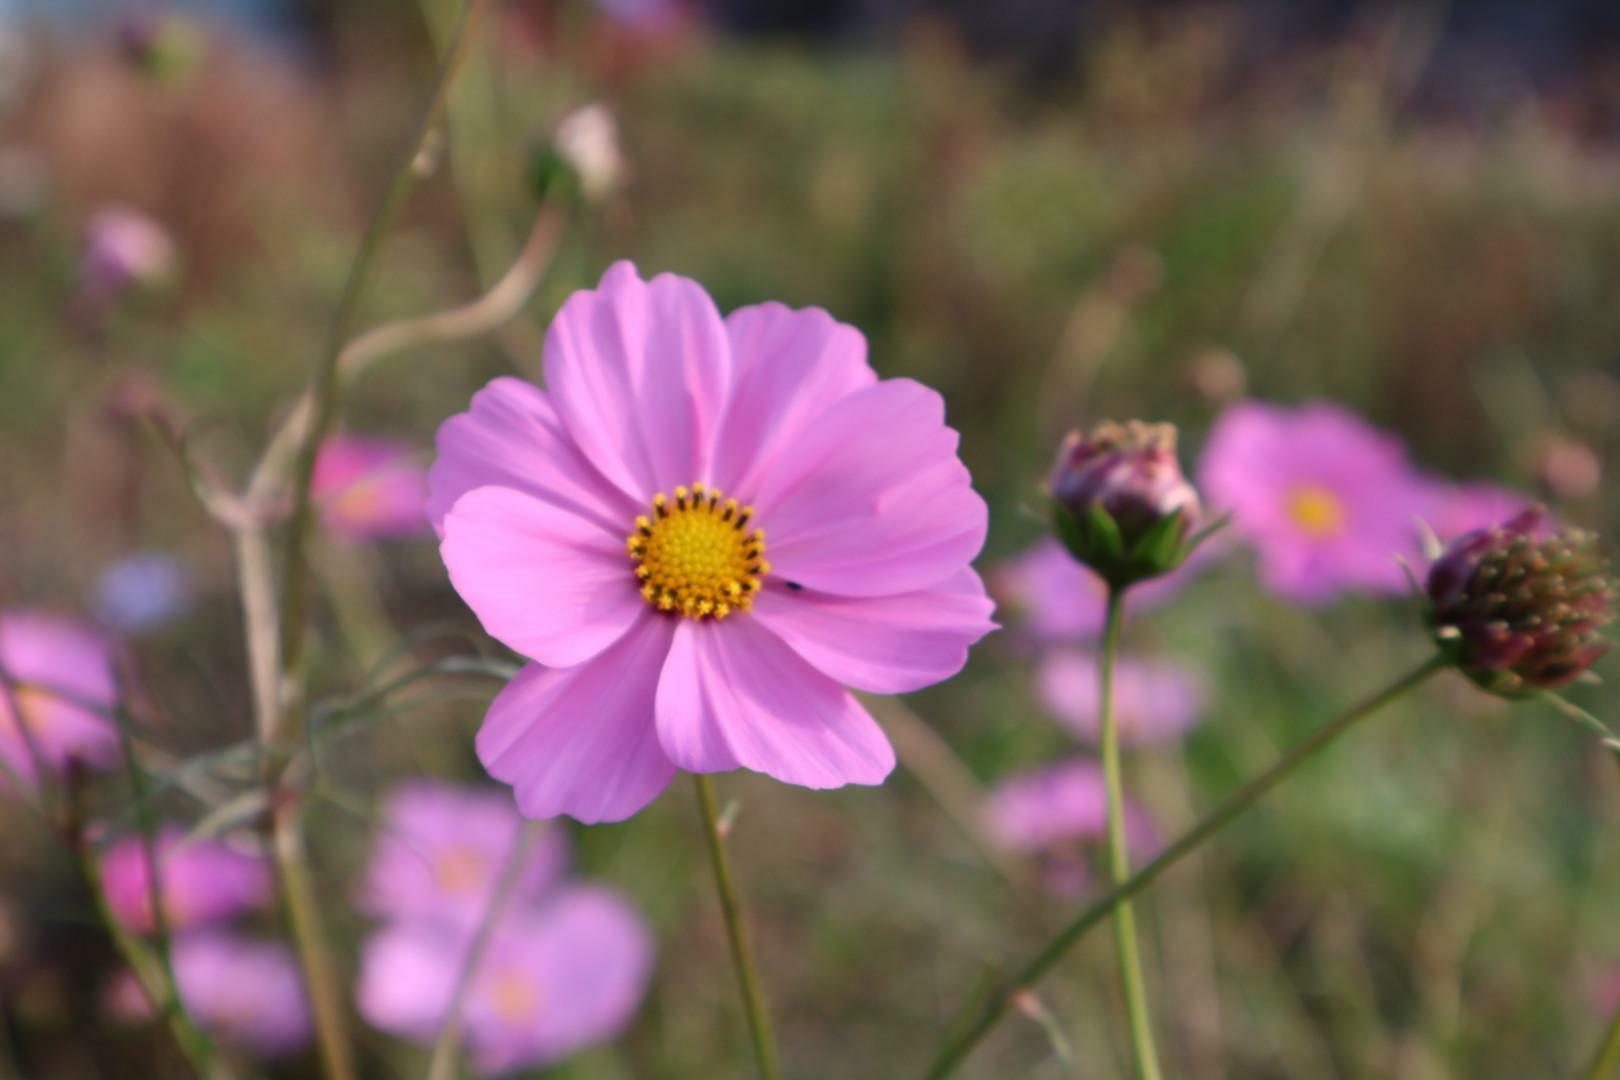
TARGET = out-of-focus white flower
(587,138)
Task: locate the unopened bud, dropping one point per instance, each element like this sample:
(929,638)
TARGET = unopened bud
(1518,612)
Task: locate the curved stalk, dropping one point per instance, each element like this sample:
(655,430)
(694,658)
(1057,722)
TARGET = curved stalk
(957,1047)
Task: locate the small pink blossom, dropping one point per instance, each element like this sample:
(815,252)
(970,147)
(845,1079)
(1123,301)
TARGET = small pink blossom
(58,688)
(1326,501)
(123,249)
(612,529)
(1154,700)
(1060,599)
(442,849)
(1060,813)
(556,978)
(369,488)
(202,881)
(242,991)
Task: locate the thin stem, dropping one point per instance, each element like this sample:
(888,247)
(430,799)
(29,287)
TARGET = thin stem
(304,919)
(956,1050)
(1119,858)
(281,727)
(326,383)
(448,1045)
(1606,1062)
(158,985)
(742,951)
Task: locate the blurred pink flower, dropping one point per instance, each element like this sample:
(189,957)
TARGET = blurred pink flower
(202,882)
(1058,598)
(1154,700)
(245,992)
(694,652)
(59,685)
(555,979)
(370,489)
(1327,501)
(441,849)
(123,249)
(1060,812)
(1454,509)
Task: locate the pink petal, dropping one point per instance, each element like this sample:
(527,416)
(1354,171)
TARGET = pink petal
(884,645)
(545,582)
(791,365)
(639,373)
(581,741)
(734,694)
(511,437)
(871,499)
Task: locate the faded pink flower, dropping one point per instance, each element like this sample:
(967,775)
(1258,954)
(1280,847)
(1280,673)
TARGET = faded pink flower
(1154,700)
(1060,599)
(57,685)
(612,529)
(555,979)
(202,881)
(245,992)
(1326,501)
(369,488)
(442,849)
(123,249)
(1060,814)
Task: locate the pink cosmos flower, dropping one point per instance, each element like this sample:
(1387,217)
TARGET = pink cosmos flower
(1059,813)
(202,882)
(1326,501)
(242,991)
(1454,509)
(1061,599)
(369,489)
(58,686)
(1154,700)
(123,249)
(442,849)
(612,529)
(555,979)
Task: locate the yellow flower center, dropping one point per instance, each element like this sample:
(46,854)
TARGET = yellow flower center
(460,871)
(1317,510)
(696,556)
(514,997)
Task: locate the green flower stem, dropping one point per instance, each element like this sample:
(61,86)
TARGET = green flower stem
(742,951)
(1606,1062)
(956,1049)
(1119,859)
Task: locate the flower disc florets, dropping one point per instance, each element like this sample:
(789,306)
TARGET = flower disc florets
(696,556)
(1123,506)
(1518,612)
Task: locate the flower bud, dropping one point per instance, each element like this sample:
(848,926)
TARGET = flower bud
(584,154)
(1517,611)
(124,250)
(1123,506)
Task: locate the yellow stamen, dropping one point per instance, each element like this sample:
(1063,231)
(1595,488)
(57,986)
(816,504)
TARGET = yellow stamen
(696,556)
(1317,510)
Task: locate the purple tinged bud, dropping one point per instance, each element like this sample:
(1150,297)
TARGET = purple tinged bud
(1129,472)
(1520,612)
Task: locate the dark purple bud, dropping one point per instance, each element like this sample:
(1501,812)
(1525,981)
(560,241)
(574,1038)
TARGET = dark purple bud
(1519,611)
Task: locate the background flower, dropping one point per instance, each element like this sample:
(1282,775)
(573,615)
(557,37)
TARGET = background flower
(59,687)
(441,849)
(142,592)
(1154,700)
(369,488)
(1057,598)
(556,978)
(202,881)
(243,991)
(1326,501)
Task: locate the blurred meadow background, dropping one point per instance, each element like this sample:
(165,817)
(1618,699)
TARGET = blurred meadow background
(1052,212)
